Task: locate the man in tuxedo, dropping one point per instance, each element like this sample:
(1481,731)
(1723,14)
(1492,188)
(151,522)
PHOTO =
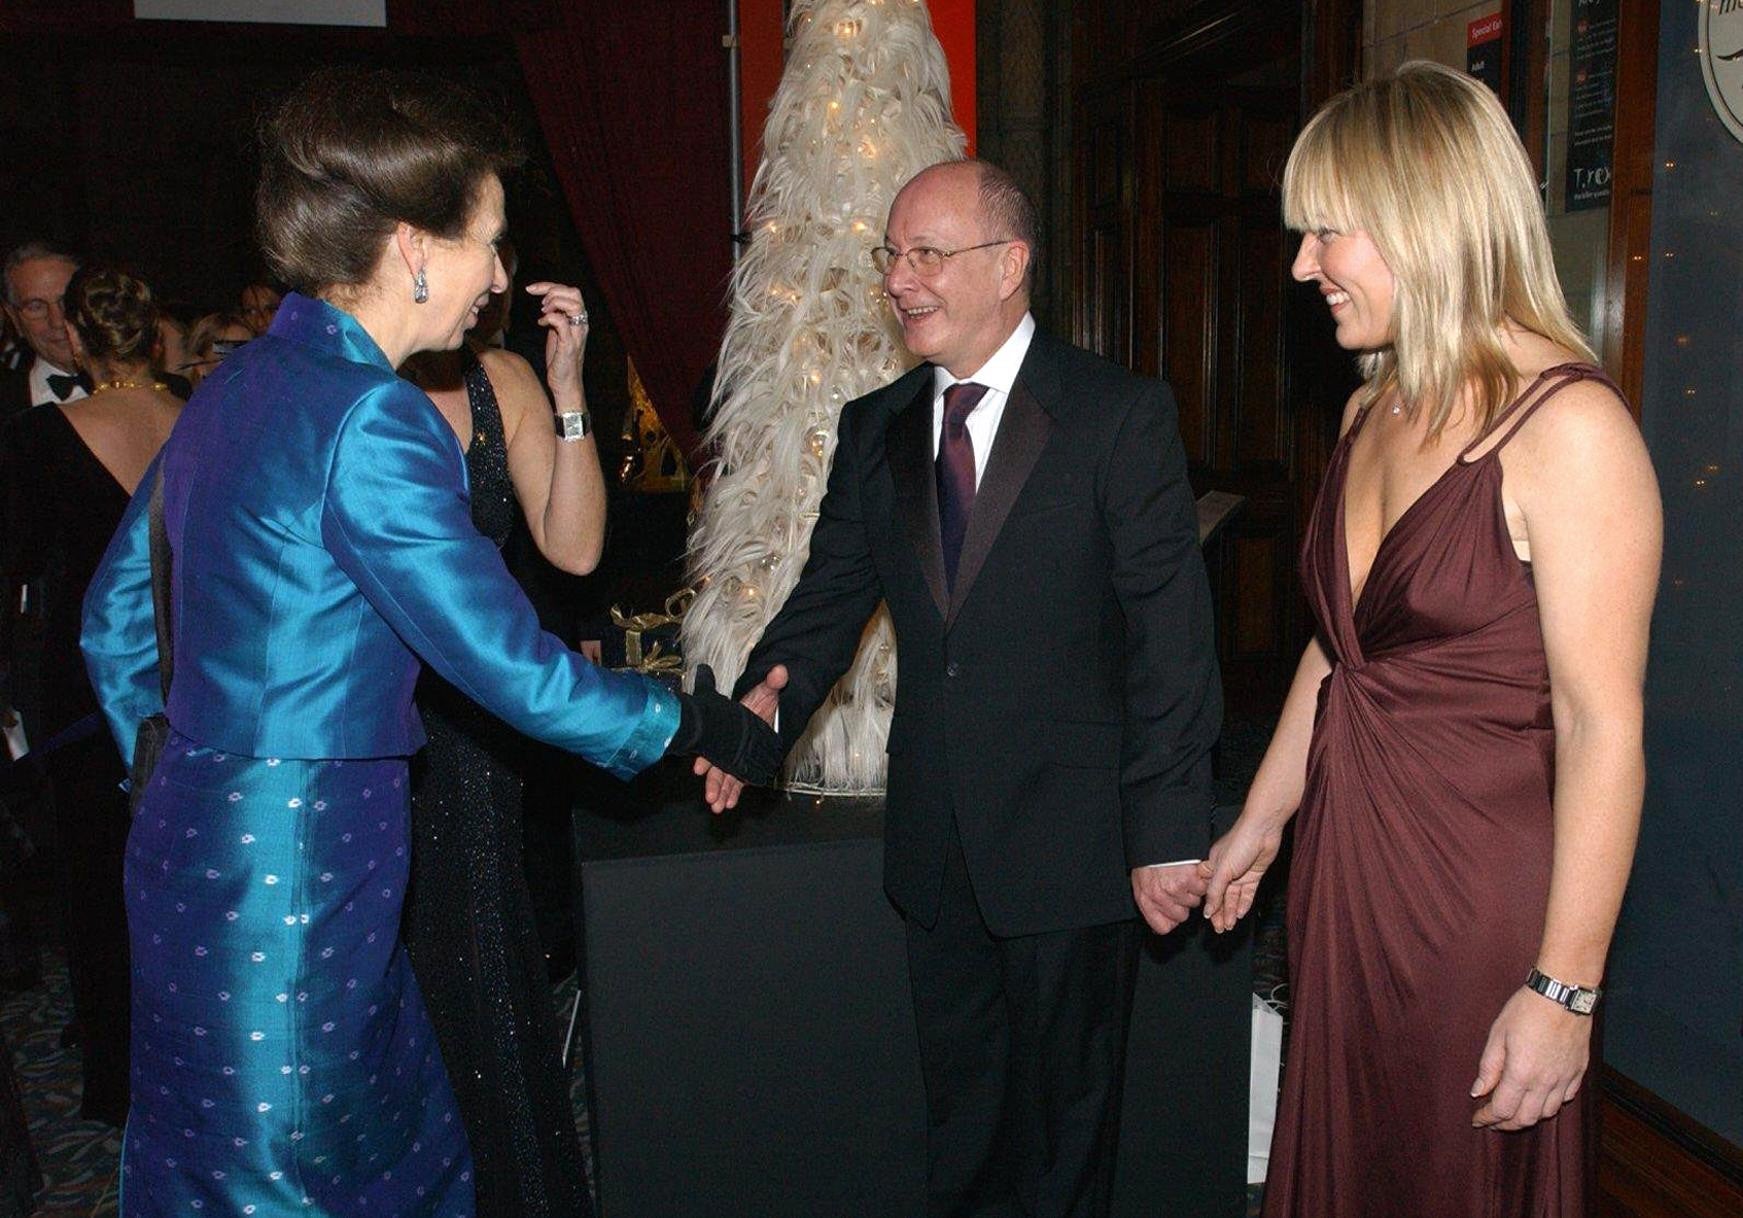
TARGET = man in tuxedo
(35,279)
(1023,508)
(36,276)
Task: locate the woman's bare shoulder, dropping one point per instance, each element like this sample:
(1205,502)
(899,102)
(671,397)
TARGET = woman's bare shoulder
(1582,436)
(517,387)
(507,370)
(1578,414)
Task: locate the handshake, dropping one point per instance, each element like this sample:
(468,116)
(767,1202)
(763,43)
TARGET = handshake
(733,743)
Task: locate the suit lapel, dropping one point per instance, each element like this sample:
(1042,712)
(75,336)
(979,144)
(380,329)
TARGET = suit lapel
(1023,433)
(908,445)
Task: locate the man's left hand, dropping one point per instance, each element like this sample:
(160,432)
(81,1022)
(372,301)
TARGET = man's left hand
(1167,895)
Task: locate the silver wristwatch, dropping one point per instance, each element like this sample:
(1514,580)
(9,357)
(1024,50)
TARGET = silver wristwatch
(574,424)
(1577,998)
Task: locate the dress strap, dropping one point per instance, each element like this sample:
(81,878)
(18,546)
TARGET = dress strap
(1549,382)
(1361,418)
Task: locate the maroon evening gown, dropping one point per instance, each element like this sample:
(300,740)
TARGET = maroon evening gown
(1422,863)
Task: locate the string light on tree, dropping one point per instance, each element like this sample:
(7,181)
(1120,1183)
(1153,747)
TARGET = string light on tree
(862,107)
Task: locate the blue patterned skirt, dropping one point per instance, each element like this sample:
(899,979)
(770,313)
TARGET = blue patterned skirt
(282,1060)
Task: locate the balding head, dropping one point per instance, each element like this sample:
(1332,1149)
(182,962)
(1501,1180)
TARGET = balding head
(1004,209)
(960,280)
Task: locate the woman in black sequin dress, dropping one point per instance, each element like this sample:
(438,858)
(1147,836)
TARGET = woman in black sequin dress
(468,919)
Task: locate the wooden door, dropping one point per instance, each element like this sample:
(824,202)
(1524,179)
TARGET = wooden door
(1183,266)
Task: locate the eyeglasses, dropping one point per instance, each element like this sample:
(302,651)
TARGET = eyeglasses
(227,346)
(36,308)
(924,260)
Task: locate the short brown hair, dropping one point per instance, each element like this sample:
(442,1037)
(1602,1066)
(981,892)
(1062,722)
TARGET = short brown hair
(113,312)
(352,152)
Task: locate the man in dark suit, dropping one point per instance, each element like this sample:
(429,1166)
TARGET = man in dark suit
(1023,508)
(36,276)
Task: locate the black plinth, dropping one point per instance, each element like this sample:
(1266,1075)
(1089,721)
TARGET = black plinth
(750,1043)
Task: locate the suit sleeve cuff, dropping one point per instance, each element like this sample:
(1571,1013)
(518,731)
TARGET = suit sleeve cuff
(1169,820)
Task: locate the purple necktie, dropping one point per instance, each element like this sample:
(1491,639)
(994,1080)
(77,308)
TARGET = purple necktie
(955,472)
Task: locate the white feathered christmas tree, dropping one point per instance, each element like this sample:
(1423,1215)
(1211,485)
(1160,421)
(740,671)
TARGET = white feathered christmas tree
(862,107)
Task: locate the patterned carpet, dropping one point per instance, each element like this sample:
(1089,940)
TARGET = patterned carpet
(78,1158)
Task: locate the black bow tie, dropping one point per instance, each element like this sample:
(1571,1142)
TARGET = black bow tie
(62,386)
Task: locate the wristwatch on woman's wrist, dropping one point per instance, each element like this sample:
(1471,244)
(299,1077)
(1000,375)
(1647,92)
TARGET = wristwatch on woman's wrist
(573,424)
(1576,998)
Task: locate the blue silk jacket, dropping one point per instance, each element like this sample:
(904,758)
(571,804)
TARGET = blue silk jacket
(317,510)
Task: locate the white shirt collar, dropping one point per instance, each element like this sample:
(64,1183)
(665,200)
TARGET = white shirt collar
(1000,372)
(40,371)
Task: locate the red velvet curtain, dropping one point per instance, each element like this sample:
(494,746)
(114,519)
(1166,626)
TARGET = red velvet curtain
(632,99)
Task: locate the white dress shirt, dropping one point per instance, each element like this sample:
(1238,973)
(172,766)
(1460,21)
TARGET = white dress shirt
(998,374)
(40,393)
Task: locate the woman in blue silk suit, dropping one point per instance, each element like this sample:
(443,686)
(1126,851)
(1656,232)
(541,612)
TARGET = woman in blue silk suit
(316,506)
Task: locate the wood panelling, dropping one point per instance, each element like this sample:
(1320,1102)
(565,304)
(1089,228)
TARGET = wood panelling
(1654,1162)
(1623,341)
(1190,147)
(1259,431)
(1255,572)
(1103,300)
(1265,146)
(1188,341)
(1184,115)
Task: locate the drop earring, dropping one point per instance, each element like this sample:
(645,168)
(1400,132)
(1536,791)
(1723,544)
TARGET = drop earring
(420,288)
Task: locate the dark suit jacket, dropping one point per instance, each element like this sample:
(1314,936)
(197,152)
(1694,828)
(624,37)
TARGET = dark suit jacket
(1061,706)
(14,392)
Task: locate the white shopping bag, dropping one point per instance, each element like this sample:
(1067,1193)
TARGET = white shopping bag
(1262,1087)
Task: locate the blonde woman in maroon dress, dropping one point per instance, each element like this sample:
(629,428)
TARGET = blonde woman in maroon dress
(1462,740)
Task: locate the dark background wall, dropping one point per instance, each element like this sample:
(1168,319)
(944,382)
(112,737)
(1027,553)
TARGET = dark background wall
(1675,1022)
(135,144)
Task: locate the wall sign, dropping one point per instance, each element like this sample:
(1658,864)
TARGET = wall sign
(1722,60)
(1483,50)
(1591,103)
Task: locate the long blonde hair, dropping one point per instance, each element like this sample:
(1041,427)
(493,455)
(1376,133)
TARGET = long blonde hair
(1427,164)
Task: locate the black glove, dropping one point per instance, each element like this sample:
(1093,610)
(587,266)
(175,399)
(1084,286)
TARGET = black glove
(727,733)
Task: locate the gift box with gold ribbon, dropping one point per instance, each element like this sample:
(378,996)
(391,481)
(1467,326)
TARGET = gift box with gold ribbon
(648,642)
